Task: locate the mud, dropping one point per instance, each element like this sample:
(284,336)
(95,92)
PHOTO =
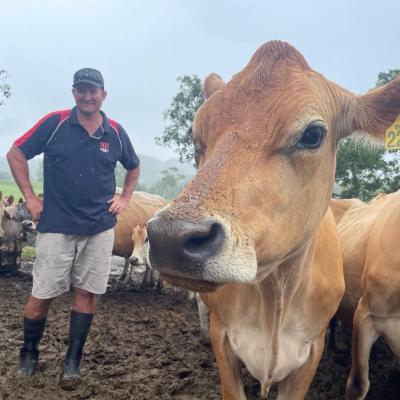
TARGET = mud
(145,345)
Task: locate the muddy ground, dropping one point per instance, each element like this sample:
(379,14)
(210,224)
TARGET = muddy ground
(145,345)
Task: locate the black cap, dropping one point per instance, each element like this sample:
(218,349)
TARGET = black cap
(88,75)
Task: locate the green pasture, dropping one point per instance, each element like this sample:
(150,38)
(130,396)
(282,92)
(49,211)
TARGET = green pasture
(10,188)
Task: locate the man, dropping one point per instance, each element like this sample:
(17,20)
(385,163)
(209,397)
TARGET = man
(77,212)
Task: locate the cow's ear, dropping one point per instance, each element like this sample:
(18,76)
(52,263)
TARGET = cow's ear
(376,110)
(211,84)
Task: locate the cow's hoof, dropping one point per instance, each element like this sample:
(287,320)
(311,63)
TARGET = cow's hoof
(355,390)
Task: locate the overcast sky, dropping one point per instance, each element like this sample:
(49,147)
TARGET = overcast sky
(142,46)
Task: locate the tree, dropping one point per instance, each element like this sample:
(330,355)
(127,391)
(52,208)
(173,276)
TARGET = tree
(178,132)
(5,90)
(120,178)
(363,171)
(170,184)
(386,77)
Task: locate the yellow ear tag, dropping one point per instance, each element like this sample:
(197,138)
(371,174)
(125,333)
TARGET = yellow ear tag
(392,141)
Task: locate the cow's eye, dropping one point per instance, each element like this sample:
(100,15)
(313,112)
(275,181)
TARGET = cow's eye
(312,137)
(198,152)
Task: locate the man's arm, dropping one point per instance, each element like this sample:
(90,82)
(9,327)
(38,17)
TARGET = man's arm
(20,171)
(119,203)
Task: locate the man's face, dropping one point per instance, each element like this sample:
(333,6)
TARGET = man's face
(88,98)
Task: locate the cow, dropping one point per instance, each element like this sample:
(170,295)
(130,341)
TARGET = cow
(130,233)
(253,231)
(139,257)
(368,235)
(15,223)
(2,207)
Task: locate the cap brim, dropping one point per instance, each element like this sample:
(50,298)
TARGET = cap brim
(87,81)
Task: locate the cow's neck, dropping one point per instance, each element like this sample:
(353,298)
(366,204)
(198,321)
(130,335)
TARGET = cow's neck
(279,291)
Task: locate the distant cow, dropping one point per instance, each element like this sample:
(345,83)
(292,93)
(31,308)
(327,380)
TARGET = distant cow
(2,207)
(253,228)
(131,229)
(368,234)
(139,257)
(14,225)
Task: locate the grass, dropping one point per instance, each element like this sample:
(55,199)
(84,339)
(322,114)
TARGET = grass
(28,253)
(10,188)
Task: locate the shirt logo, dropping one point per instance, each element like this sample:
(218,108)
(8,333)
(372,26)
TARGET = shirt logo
(104,147)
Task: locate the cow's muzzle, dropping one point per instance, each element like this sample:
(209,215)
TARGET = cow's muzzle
(181,247)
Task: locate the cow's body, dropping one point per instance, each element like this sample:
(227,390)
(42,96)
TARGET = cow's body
(368,235)
(253,227)
(130,228)
(278,325)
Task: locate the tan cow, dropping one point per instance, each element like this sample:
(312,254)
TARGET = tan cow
(142,207)
(253,226)
(139,257)
(2,206)
(368,235)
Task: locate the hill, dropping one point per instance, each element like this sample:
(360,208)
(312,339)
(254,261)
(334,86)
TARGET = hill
(151,168)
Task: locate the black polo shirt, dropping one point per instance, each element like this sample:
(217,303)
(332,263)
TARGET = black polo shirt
(79,176)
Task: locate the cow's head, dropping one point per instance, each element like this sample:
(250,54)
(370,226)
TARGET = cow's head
(140,240)
(265,148)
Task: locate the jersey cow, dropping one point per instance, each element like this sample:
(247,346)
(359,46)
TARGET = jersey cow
(368,235)
(130,231)
(253,229)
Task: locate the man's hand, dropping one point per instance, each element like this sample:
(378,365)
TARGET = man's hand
(35,207)
(118,204)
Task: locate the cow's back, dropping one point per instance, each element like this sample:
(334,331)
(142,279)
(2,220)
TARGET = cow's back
(362,231)
(141,208)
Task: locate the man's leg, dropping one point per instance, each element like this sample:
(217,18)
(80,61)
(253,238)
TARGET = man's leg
(34,323)
(51,277)
(89,278)
(83,308)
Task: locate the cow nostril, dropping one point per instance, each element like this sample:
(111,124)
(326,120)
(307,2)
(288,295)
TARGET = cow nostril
(204,242)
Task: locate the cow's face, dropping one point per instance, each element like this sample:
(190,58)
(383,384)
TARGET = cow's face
(140,245)
(265,149)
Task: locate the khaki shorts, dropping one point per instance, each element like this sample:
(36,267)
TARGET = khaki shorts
(62,260)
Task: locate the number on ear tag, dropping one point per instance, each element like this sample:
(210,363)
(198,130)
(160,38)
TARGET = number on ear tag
(392,141)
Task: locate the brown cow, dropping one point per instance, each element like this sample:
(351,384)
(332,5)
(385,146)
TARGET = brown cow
(368,235)
(139,257)
(2,206)
(142,207)
(254,226)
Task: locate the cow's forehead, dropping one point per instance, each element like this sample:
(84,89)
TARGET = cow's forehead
(275,92)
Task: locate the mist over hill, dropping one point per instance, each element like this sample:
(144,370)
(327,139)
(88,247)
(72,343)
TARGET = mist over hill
(150,172)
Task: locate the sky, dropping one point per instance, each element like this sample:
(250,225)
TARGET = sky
(141,47)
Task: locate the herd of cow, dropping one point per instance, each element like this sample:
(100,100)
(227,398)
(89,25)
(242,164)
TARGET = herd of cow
(256,234)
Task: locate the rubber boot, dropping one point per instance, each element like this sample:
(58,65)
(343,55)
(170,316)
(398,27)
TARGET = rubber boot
(29,353)
(78,331)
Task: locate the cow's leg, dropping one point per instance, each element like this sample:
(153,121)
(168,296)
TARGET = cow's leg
(332,335)
(204,316)
(146,277)
(124,274)
(364,336)
(228,364)
(131,272)
(390,331)
(296,385)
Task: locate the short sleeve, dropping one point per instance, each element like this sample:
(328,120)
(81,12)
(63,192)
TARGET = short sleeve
(33,142)
(128,158)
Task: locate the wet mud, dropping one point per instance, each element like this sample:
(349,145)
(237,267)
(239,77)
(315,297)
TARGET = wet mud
(144,344)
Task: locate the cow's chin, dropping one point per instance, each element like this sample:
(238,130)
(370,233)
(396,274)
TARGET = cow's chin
(191,284)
